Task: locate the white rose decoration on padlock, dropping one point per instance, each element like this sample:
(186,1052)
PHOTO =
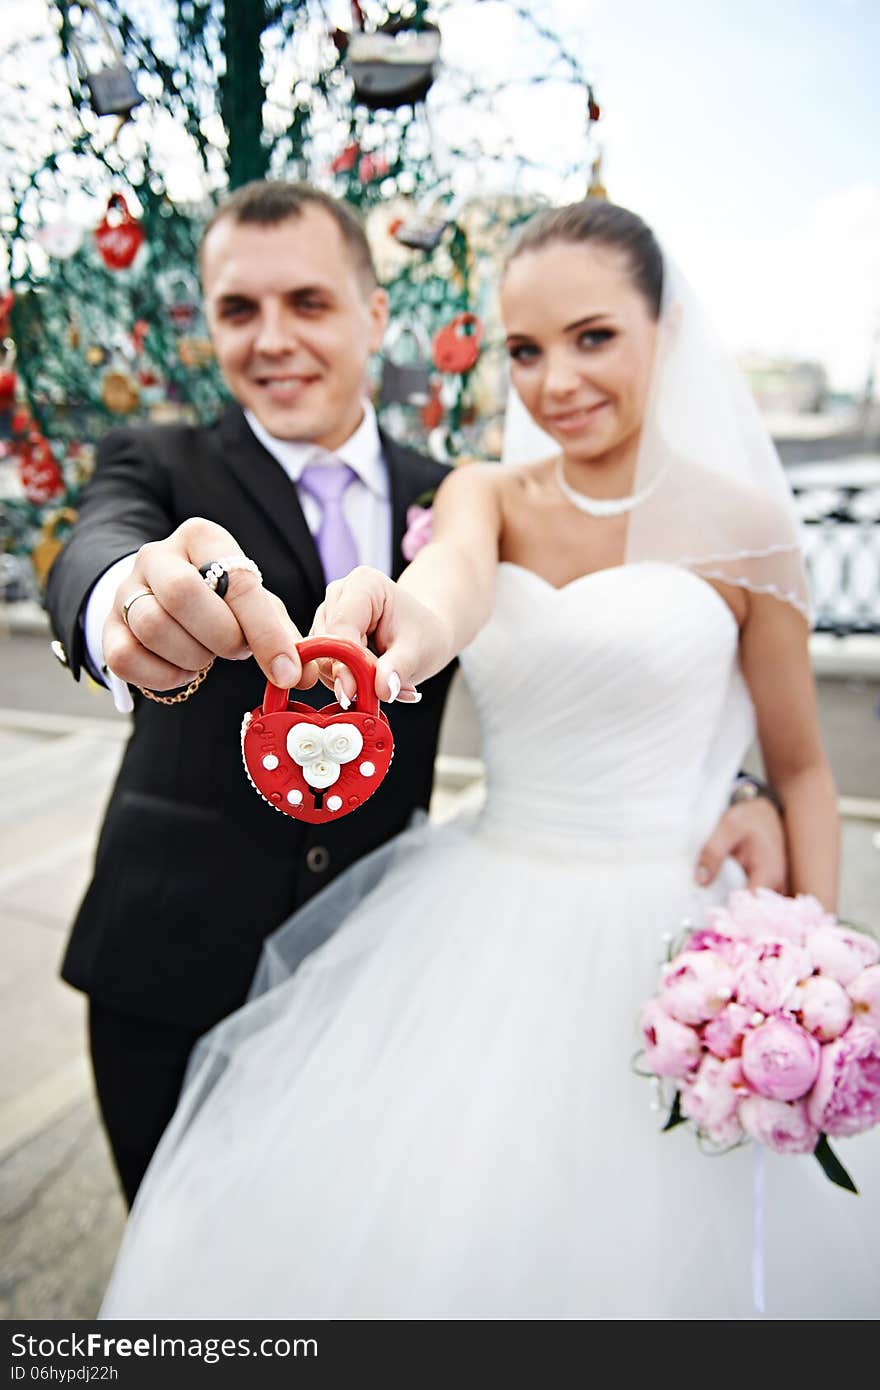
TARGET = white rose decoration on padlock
(342,742)
(322,773)
(305,744)
(321,752)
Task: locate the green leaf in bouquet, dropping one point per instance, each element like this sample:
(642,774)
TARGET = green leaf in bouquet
(675,1115)
(639,1070)
(831,1165)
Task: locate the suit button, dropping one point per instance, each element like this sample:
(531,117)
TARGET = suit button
(317,858)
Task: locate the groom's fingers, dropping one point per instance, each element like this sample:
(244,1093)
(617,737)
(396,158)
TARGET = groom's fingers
(184,618)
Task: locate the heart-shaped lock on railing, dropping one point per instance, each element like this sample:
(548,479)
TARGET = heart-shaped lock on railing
(317,765)
(456,349)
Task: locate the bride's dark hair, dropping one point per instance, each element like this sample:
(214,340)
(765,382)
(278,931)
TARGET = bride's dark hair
(607,225)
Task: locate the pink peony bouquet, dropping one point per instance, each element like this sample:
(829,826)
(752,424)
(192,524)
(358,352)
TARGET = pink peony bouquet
(767,1022)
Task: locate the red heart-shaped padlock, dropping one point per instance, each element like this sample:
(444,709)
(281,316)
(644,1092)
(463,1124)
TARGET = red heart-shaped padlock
(120,240)
(317,765)
(455,349)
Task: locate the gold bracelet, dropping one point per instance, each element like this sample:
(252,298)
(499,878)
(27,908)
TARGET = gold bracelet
(181,695)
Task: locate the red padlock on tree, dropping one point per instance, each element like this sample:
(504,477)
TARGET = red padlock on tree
(346,159)
(432,411)
(119,236)
(318,765)
(8,384)
(456,346)
(38,470)
(6,302)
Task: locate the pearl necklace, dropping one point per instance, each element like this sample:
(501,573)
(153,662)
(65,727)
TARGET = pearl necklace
(603,506)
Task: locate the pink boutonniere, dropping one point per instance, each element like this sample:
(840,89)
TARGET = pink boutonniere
(419,527)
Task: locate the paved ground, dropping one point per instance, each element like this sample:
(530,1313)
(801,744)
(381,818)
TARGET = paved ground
(60,1213)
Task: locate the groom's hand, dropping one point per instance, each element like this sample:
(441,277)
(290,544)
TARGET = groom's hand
(179,625)
(752,833)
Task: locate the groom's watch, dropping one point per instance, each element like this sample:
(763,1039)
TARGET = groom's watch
(747,788)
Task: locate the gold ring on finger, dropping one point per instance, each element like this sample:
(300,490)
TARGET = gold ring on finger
(141,593)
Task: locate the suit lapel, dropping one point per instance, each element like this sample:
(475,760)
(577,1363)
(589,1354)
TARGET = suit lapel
(266,482)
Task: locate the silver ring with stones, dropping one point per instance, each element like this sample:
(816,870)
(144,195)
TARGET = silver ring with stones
(216,572)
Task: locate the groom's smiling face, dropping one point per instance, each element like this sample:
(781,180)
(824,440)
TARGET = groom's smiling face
(581,342)
(293,321)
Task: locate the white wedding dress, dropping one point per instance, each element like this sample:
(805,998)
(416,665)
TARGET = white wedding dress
(436,1115)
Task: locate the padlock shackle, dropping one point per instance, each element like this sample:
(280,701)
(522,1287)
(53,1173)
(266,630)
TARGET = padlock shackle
(76,47)
(116,203)
(397,334)
(338,649)
(471,321)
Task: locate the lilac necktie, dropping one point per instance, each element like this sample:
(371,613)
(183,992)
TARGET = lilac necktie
(337,547)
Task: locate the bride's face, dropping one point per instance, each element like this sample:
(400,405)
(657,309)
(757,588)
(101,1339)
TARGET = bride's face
(581,341)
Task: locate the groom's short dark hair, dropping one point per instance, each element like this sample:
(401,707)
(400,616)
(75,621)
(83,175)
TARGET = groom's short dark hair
(268,202)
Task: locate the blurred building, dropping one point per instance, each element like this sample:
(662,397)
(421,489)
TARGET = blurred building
(786,386)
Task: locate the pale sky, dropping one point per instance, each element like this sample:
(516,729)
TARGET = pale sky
(748,135)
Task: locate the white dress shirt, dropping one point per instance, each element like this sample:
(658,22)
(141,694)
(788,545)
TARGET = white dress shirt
(366,504)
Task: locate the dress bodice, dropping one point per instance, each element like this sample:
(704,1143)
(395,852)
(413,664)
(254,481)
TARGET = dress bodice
(612,709)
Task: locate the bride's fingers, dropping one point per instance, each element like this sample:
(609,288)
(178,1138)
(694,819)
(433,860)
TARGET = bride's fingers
(345,687)
(343,683)
(352,610)
(409,695)
(355,608)
(394,674)
(310,676)
(328,671)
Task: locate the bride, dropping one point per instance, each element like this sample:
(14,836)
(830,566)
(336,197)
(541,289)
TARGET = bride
(428,1107)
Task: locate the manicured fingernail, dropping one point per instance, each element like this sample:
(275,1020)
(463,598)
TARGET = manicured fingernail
(393,686)
(340,694)
(702,874)
(284,673)
(409,697)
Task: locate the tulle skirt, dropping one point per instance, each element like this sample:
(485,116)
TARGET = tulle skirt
(428,1109)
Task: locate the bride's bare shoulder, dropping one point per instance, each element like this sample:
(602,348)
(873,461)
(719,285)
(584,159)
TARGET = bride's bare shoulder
(502,482)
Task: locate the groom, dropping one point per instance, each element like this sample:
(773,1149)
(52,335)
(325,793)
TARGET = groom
(192,871)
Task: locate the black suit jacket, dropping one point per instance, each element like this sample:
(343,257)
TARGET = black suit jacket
(193,869)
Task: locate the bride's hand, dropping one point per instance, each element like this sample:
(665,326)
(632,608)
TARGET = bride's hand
(411,641)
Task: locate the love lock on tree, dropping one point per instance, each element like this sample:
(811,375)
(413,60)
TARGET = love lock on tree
(111,87)
(394,66)
(48,547)
(457,344)
(405,382)
(318,765)
(118,234)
